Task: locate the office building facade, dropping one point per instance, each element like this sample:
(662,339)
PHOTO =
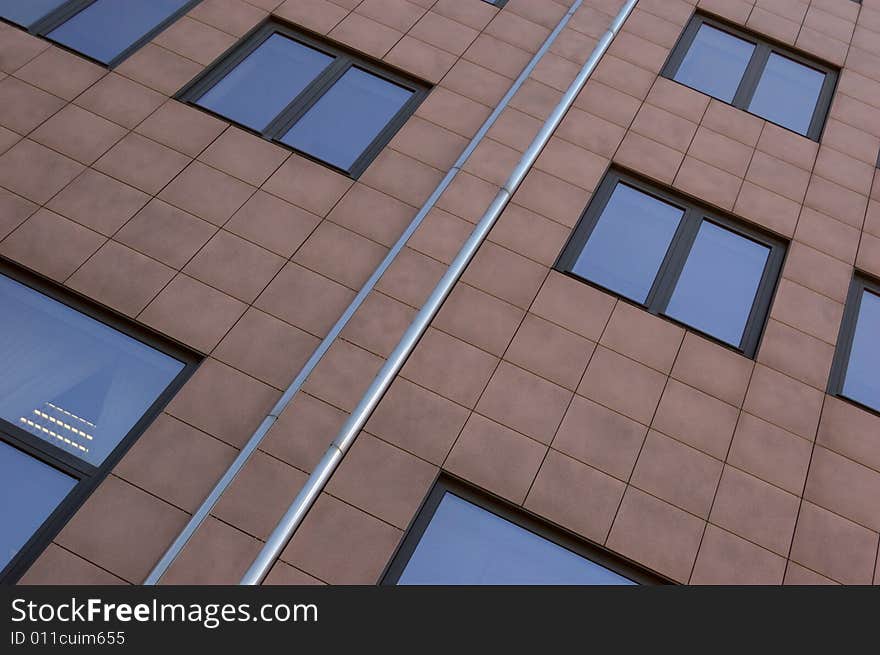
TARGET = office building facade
(219,217)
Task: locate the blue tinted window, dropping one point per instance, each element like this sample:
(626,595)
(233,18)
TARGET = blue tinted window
(106,28)
(71,380)
(717,287)
(265,82)
(629,243)
(787,93)
(340,126)
(862,382)
(27,12)
(715,63)
(467,545)
(29,492)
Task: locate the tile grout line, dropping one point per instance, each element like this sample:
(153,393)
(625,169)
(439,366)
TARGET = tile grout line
(804,491)
(718,484)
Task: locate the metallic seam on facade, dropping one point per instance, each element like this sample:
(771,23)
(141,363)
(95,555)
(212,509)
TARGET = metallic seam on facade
(330,459)
(297,511)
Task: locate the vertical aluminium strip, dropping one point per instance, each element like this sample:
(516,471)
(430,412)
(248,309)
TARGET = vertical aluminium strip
(371,398)
(257,437)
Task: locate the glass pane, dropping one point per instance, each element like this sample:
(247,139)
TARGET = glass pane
(340,126)
(71,380)
(265,82)
(862,382)
(717,287)
(629,243)
(29,492)
(467,545)
(715,63)
(787,93)
(106,28)
(27,12)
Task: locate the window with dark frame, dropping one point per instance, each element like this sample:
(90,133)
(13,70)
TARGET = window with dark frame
(462,536)
(678,259)
(753,74)
(855,373)
(79,386)
(322,101)
(107,31)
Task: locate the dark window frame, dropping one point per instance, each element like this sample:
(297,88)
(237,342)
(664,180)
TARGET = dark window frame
(520,517)
(496,3)
(860,284)
(88,476)
(748,85)
(676,256)
(69,9)
(344,58)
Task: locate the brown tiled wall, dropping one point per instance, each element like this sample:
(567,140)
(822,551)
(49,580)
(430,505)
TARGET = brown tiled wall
(232,245)
(665,447)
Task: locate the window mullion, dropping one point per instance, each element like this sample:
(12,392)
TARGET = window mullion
(59,16)
(309,96)
(846,336)
(160,27)
(749,83)
(675,260)
(823,107)
(367,95)
(761,305)
(45,452)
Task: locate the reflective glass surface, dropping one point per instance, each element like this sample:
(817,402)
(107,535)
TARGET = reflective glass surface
(717,287)
(629,243)
(29,492)
(27,12)
(340,126)
(106,28)
(467,545)
(265,82)
(787,93)
(715,63)
(71,380)
(862,382)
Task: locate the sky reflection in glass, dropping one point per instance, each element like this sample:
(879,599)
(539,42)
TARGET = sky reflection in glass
(340,126)
(628,244)
(467,545)
(715,63)
(71,380)
(717,287)
(106,28)
(862,382)
(27,12)
(29,492)
(265,82)
(787,93)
